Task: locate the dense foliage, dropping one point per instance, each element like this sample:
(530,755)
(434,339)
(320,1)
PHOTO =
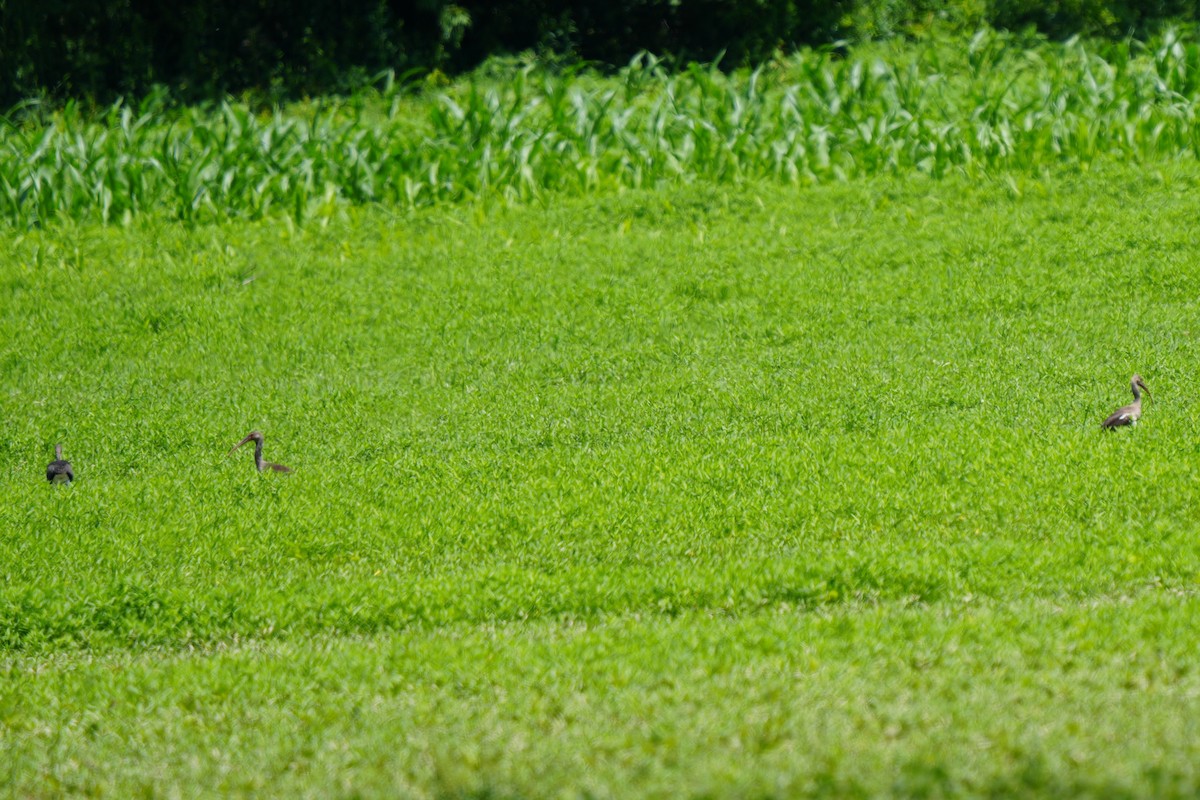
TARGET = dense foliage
(203,48)
(935,108)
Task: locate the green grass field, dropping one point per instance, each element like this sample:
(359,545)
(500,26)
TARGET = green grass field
(706,478)
(759,492)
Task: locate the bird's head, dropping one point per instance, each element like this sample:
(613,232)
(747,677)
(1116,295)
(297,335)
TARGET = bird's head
(1138,382)
(252,436)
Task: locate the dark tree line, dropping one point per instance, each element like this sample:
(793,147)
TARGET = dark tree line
(202,48)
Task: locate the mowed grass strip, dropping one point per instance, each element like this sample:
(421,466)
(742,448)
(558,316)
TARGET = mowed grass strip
(659,402)
(968,698)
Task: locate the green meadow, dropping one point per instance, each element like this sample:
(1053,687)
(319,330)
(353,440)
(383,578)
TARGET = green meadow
(725,485)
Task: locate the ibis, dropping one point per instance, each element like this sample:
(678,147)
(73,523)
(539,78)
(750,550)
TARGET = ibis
(263,466)
(59,470)
(1130,414)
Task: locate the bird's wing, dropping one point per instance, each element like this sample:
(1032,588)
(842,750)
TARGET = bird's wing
(1122,416)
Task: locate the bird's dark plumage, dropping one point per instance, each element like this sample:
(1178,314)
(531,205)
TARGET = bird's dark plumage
(59,470)
(263,466)
(1130,414)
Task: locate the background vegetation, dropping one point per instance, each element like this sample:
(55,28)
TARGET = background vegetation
(993,102)
(202,49)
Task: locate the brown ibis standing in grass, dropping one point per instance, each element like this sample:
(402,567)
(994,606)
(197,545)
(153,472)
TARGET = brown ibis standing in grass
(1130,414)
(263,466)
(59,470)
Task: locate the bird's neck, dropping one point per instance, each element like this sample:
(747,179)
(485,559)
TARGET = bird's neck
(258,462)
(1137,395)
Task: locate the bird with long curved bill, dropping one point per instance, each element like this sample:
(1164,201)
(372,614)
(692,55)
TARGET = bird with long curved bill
(1130,414)
(263,466)
(59,470)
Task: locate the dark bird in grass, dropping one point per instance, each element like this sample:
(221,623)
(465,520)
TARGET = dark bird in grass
(1130,414)
(263,466)
(59,470)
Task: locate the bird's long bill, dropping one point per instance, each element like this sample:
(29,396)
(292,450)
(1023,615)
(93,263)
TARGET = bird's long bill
(239,444)
(1147,391)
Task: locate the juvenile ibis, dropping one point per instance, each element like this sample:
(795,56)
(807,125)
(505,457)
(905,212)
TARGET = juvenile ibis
(59,470)
(1130,414)
(263,466)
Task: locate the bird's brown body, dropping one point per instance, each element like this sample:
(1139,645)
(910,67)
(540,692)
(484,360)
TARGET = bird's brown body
(263,466)
(1130,414)
(59,470)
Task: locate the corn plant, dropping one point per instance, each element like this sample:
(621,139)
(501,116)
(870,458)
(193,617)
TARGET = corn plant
(991,103)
